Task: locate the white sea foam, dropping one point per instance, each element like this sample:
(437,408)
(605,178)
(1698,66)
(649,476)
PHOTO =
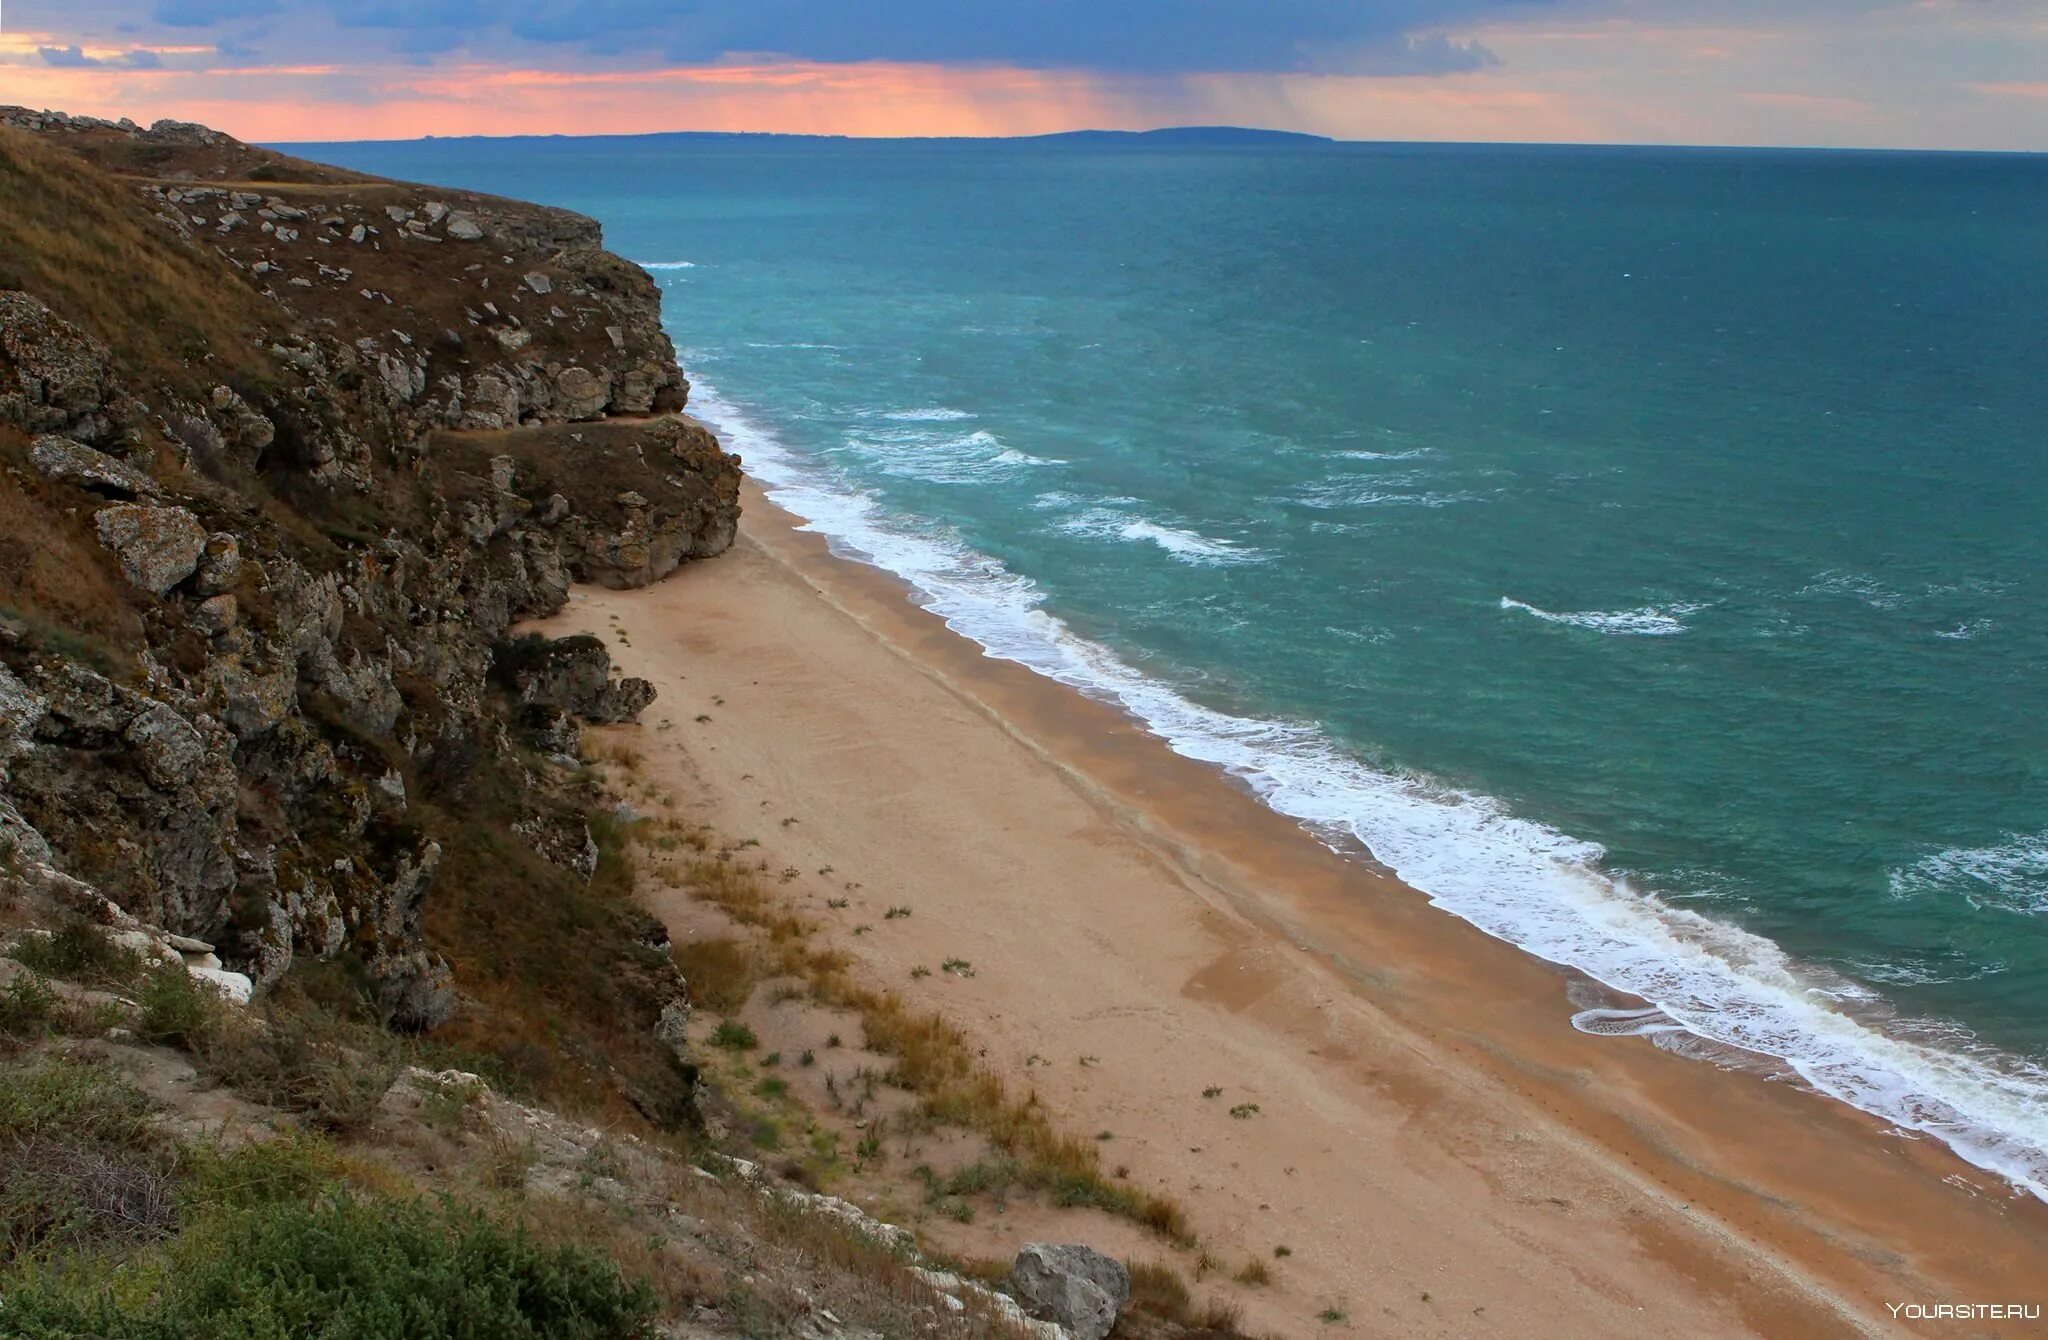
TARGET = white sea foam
(668,265)
(1649,621)
(932,451)
(1186,545)
(1525,883)
(1414,453)
(1011,456)
(936,414)
(1857,586)
(1374,491)
(1964,631)
(2011,875)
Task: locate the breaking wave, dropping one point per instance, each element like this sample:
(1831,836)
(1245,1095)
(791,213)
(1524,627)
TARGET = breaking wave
(1649,621)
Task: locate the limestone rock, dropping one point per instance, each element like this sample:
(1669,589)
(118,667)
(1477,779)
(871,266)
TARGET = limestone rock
(237,987)
(215,615)
(54,378)
(169,747)
(220,565)
(415,990)
(580,394)
(254,704)
(70,462)
(1075,1287)
(334,596)
(561,838)
(572,674)
(490,403)
(158,546)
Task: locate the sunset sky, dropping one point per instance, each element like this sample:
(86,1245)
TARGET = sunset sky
(1879,73)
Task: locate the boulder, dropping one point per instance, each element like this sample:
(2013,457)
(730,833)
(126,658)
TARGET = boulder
(254,704)
(220,565)
(491,403)
(463,228)
(158,546)
(235,986)
(216,615)
(1075,1287)
(168,747)
(581,394)
(415,990)
(70,462)
(571,674)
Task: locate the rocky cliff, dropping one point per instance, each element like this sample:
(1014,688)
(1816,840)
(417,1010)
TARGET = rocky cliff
(285,452)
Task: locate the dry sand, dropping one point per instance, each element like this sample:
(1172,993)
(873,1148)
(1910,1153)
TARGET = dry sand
(1441,1152)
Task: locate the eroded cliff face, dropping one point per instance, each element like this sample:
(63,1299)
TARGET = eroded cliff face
(267,514)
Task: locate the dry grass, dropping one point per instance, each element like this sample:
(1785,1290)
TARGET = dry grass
(54,574)
(721,972)
(566,988)
(932,1057)
(86,245)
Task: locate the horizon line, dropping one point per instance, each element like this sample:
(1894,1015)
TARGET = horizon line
(1308,139)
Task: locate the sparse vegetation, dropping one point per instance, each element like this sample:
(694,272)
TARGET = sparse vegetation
(931,1058)
(734,1036)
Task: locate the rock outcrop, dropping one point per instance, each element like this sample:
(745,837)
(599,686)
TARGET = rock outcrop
(1077,1288)
(269,511)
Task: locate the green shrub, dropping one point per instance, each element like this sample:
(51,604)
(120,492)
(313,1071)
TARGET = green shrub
(79,1162)
(27,1007)
(343,1269)
(304,1059)
(293,1168)
(58,1098)
(734,1036)
(78,952)
(178,1010)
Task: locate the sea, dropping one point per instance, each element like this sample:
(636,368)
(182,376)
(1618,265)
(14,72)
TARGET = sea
(1642,552)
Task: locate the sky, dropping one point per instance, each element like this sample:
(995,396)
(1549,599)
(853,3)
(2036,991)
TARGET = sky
(1952,74)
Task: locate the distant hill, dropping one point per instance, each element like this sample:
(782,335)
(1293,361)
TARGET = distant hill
(1183,135)
(1168,137)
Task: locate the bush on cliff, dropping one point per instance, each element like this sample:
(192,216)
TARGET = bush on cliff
(341,1267)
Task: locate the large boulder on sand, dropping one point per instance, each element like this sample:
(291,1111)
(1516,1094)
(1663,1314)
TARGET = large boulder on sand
(1075,1287)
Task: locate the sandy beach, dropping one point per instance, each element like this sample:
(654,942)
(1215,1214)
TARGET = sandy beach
(1419,1124)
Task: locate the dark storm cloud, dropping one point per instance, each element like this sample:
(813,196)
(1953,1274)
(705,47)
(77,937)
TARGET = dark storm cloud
(1147,36)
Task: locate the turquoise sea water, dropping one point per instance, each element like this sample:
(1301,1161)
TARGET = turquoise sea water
(1641,551)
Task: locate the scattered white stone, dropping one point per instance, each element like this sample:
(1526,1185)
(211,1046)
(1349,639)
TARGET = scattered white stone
(234,986)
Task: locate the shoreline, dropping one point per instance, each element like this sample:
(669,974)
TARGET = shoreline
(1403,1058)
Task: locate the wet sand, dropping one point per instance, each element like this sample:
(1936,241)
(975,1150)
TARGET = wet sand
(1441,1153)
